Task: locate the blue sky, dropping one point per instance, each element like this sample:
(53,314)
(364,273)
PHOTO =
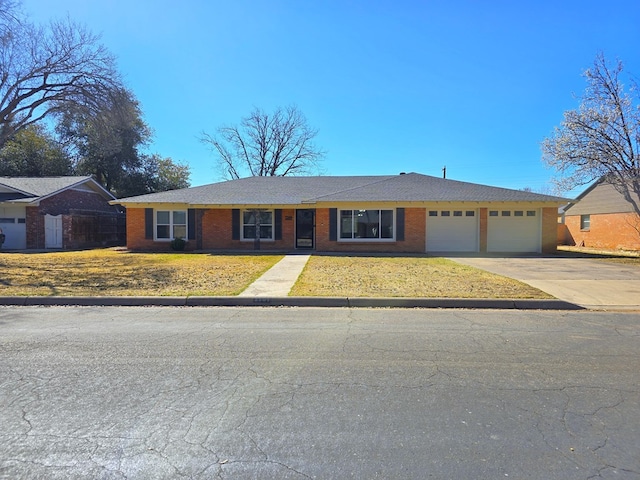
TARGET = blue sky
(391,85)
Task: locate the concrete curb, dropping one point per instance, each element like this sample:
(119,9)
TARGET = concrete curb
(338,302)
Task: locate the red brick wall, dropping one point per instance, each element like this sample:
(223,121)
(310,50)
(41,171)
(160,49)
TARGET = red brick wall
(65,203)
(135,232)
(73,200)
(217,234)
(414,234)
(35,228)
(609,231)
(549,230)
(215,229)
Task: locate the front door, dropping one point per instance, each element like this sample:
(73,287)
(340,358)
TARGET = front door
(305,228)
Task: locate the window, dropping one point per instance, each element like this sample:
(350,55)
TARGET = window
(249,224)
(585,222)
(493,213)
(171,224)
(470,213)
(366,224)
(531,213)
(518,213)
(445,213)
(22,220)
(433,213)
(7,220)
(506,213)
(457,213)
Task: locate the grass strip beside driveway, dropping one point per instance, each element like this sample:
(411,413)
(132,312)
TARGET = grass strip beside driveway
(430,277)
(110,272)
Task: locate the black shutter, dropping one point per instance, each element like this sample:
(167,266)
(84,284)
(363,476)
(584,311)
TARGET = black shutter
(333,224)
(191,224)
(400,224)
(148,223)
(235,224)
(278,223)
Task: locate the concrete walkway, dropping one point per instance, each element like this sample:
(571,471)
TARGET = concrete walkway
(593,284)
(278,280)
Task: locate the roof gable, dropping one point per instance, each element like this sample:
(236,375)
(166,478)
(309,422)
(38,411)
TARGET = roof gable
(37,188)
(599,198)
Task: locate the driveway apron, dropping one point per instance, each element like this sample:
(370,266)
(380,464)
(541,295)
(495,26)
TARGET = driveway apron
(594,284)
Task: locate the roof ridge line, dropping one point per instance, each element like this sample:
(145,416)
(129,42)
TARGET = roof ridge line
(385,178)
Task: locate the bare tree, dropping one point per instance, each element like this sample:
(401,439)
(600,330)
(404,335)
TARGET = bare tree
(43,70)
(602,137)
(277,144)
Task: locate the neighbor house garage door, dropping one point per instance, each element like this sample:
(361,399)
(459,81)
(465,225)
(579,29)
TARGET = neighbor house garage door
(12,223)
(513,231)
(452,231)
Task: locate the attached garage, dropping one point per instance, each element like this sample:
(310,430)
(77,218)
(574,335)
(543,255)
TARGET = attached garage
(13,225)
(452,230)
(514,231)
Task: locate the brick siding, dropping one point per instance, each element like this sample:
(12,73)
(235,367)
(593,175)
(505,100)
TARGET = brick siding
(414,234)
(609,230)
(549,230)
(67,203)
(213,232)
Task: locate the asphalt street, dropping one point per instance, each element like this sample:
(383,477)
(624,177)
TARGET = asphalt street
(292,393)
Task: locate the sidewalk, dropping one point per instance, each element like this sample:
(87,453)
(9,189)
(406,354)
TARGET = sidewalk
(279,279)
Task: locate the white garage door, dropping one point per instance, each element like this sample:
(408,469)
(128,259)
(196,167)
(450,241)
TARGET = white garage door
(12,223)
(452,231)
(513,231)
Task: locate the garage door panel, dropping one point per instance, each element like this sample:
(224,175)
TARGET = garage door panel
(514,231)
(452,231)
(12,223)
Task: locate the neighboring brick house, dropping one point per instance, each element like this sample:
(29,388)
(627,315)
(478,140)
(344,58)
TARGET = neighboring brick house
(410,213)
(602,218)
(58,212)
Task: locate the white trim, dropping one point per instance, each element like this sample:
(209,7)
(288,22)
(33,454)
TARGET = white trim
(171,225)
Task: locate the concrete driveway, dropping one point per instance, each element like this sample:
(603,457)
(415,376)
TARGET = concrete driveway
(590,283)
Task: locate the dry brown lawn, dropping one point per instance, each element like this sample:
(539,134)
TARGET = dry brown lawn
(361,276)
(627,257)
(109,272)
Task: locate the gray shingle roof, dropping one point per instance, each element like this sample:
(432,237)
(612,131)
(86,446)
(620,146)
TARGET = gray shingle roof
(411,187)
(32,188)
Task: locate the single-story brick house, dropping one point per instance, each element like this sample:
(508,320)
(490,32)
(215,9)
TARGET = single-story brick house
(396,213)
(601,217)
(58,212)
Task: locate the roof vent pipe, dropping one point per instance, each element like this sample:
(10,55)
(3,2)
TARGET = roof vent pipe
(402,173)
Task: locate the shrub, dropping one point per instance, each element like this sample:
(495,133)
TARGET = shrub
(178,244)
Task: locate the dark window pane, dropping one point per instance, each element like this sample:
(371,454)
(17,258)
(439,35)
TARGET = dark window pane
(249,231)
(163,231)
(386,224)
(162,218)
(180,217)
(266,231)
